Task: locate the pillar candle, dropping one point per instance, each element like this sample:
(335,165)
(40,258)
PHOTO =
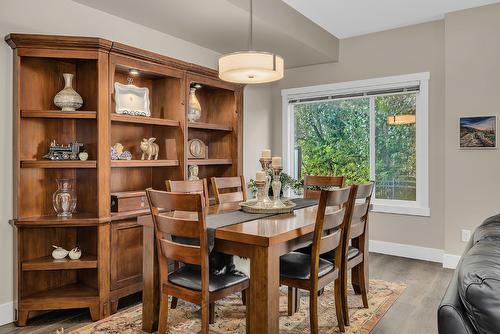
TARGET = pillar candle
(260,176)
(276,162)
(266,154)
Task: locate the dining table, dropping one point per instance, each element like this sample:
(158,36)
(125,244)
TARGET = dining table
(262,240)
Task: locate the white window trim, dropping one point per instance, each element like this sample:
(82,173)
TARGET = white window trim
(420,207)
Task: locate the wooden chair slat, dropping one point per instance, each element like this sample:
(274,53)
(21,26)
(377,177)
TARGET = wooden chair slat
(334,219)
(230,197)
(357,229)
(181,252)
(173,201)
(330,242)
(360,210)
(229,189)
(178,226)
(190,187)
(320,181)
(338,197)
(228,182)
(364,190)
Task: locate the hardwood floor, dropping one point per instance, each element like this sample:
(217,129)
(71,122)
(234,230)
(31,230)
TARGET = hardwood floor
(414,312)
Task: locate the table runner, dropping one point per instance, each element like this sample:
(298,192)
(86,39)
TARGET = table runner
(237,217)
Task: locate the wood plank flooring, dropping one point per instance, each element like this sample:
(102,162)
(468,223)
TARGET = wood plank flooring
(413,313)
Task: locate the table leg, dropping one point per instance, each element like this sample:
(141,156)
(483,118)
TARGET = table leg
(150,292)
(264,290)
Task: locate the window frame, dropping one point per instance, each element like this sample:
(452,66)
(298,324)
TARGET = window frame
(419,207)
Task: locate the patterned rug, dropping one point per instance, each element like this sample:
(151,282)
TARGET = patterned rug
(230,314)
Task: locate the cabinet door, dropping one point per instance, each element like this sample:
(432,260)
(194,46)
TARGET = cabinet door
(126,253)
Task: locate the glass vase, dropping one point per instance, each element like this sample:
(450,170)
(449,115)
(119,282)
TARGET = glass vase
(64,199)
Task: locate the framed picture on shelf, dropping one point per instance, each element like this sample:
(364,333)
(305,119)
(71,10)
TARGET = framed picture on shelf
(478,132)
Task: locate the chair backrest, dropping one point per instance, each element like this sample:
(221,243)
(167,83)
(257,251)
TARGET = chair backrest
(334,212)
(229,189)
(319,182)
(163,207)
(361,206)
(189,187)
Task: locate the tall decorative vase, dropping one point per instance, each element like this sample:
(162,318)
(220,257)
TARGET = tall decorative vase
(194,110)
(67,99)
(64,199)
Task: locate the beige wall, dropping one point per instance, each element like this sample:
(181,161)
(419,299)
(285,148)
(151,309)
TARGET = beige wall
(401,51)
(64,17)
(472,181)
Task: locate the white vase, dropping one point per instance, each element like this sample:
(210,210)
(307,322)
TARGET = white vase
(194,110)
(67,99)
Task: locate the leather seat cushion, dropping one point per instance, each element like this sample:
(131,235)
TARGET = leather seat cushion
(190,277)
(479,285)
(352,252)
(329,256)
(489,230)
(297,265)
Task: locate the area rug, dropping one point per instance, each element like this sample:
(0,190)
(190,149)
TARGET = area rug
(230,314)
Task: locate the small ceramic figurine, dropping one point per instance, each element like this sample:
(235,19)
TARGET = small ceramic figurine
(59,253)
(193,173)
(75,253)
(83,156)
(118,153)
(149,149)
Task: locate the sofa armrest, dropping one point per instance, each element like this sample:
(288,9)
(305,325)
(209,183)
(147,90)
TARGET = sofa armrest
(452,318)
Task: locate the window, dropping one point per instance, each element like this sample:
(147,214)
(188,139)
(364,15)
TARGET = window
(365,130)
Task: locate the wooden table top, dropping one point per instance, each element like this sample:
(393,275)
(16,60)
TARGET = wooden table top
(262,231)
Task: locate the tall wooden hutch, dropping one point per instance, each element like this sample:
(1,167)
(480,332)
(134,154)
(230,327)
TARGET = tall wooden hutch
(111,243)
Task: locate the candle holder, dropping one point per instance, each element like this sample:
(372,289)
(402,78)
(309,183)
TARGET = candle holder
(265,163)
(276,184)
(260,193)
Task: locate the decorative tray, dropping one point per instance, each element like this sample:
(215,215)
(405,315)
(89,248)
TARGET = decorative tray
(252,207)
(132,100)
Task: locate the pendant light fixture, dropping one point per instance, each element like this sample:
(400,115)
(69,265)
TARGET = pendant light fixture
(251,67)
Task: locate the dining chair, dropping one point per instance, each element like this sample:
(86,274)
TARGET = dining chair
(229,189)
(356,254)
(310,271)
(314,183)
(194,186)
(193,282)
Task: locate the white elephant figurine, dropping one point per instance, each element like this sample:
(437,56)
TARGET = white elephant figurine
(149,148)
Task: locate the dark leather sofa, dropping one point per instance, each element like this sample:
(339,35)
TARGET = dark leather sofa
(471,304)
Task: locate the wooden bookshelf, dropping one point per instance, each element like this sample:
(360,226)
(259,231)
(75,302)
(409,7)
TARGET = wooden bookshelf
(209,126)
(144,163)
(58,164)
(58,114)
(205,162)
(49,263)
(111,243)
(143,120)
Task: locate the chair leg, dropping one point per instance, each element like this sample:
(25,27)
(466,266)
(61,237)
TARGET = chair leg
(211,309)
(248,301)
(363,282)
(244,296)
(339,309)
(163,317)
(313,311)
(173,304)
(205,318)
(343,296)
(293,301)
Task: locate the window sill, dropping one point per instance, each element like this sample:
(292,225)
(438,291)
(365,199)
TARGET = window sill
(401,210)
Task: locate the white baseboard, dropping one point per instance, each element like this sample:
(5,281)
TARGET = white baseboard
(6,313)
(450,261)
(409,251)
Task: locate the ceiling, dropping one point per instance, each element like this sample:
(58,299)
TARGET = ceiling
(222,26)
(348,18)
